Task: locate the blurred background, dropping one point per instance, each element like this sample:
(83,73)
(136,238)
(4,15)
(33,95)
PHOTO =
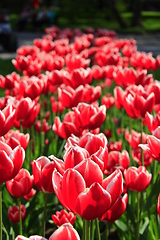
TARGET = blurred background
(120,15)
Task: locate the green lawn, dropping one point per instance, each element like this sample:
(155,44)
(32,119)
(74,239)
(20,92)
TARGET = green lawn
(6,67)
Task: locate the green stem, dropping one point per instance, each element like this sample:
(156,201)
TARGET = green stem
(84,227)
(130,148)
(21,128)
(97,229)
(137,228)
(92,229)
(107,231)
(142,156)
(44,214)
(87,230)
(20,218)
(0,211)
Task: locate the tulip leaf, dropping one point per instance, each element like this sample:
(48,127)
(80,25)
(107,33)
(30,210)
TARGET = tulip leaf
(121,225)
(5,231)
(144,226)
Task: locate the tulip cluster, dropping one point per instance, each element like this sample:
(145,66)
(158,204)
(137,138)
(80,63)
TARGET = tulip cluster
(80,139)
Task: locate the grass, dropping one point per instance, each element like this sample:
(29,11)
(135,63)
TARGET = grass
(6,67)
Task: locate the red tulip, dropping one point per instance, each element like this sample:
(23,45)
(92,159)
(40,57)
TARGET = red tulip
(27,110)
(7,116)
(91,142)
(137,179)
(116,211)
(90,116)
(30,194)
(11,161)
(136,155)
(152,146)
(65,232)
(69,126)
(15,138)
(91,202)
(155,88)
(74,155)
(158,205)
(31,87)
(108,101)
(13,213)
(11,80)
(115,146)
(21,184)
(62,217)
(93,146)
(135,100)
(152,122)
(117,159)
(143,60)
(119,96)
(42,172)
(76,61)
(91,94)
(134,138)
(44,127)
(77,77)
(70,97)
(57,106)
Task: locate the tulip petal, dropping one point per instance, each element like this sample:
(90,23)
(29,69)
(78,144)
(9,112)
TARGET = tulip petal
(93,202)
(72,185)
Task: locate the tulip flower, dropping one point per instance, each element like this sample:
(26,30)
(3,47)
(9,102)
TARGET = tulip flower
(7,116)
(74,155)
(26,112)
(90,199)
(152,122)
(11,161)
(15,138)
(90,116)
(134,138)
(117,159)
(21,184)
(66,231)
(42,172)
(115,146)
(108,101)
(93,146)
(62,217)
(44,127)
(91,94)
(98,72)
(116,211)
(77,77)
(137,179)
(56,106)
(75,62)
(11,80)
(70,125)
(30,194)
(158,205)
(136,155)
(152,146)
(135,100)
(70,97)
(13,213)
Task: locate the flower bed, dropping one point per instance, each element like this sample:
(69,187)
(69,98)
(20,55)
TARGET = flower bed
(79,139)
